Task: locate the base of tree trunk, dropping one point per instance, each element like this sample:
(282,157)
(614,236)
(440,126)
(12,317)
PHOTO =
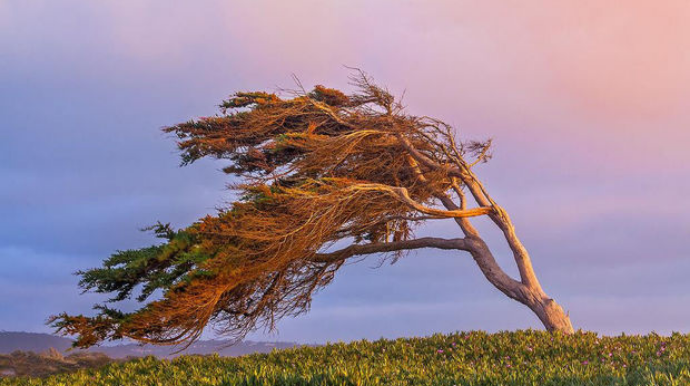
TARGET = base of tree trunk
(552,315)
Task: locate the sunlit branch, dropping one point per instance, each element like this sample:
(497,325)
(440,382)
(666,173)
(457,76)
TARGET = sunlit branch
(367,249)
(403,195)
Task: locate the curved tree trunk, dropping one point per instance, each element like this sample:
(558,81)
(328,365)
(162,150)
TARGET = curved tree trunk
(527,292)
(552,315)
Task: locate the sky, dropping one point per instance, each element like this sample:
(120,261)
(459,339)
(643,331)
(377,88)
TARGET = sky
(588,104)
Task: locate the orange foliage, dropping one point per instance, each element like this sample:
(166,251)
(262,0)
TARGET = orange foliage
(319,169)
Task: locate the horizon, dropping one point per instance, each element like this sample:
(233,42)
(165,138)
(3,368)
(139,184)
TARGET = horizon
(588,105)
(127,342)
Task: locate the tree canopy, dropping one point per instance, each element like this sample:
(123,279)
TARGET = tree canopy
(324,177)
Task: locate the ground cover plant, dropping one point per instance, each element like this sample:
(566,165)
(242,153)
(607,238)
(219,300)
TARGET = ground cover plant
(476,358)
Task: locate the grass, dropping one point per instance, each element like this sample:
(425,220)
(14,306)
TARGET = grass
(475,358)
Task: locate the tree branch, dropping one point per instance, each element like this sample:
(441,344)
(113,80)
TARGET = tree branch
(368,249)
(403,195)
(423,159)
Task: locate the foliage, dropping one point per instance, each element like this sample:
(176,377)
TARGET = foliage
(476,358)
(319,168)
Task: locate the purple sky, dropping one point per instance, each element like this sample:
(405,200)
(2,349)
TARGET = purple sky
(588,105)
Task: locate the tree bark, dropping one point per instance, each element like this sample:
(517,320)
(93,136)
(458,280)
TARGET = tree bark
(552,315)
(527,292)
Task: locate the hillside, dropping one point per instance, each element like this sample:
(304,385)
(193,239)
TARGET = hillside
(37,343)
(27,341)
(476,358)
(28,363)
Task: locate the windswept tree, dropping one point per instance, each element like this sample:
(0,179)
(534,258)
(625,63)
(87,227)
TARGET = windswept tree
(325,178)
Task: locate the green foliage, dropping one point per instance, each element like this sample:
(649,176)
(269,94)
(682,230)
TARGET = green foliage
(158,267)
(476,358)
(165,267)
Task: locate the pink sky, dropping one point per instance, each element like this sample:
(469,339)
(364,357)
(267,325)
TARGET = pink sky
(588,103)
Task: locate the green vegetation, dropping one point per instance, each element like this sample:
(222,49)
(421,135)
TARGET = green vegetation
(476,358)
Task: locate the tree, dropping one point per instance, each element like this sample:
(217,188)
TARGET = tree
(318,171)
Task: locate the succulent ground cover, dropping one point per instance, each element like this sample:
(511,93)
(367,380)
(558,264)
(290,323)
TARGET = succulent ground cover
(474,358)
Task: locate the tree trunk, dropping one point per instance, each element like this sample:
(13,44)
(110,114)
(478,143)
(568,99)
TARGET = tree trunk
(548,311)
(527,292)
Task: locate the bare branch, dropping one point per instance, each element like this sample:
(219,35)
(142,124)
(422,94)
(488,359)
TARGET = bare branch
(403,195)
(367,249)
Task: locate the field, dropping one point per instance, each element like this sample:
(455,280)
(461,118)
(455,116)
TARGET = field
(476,358)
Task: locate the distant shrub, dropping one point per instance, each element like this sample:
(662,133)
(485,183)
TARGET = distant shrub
(29,364)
